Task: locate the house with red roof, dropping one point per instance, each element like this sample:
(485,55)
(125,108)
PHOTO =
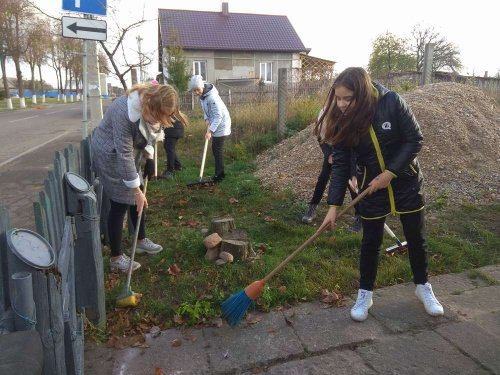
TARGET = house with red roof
(234,48)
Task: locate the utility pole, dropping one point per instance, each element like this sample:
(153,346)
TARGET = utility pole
(141,73)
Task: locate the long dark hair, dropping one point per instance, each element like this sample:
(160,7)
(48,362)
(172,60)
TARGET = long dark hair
(347,129)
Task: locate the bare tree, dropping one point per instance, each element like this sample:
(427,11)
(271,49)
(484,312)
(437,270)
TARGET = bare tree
(36,52)
(446,54)
(121,58)
(17,14)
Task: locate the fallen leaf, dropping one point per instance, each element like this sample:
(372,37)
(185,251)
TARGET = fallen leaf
(282,289)
(178,319)
(192,223)
(252,318)
(233,201)
(288,321)
(269,219)
(155,331)
(158,371)
(216,322)
(328,297)
(174,269)
(166,223)
(176,343)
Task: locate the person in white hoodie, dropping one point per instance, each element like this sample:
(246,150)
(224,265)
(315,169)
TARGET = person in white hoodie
(125,137)
(216,118)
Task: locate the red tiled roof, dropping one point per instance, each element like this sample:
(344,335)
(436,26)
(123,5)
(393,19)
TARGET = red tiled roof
(234,31)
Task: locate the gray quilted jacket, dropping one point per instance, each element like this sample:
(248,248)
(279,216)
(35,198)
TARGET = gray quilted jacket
(117,149)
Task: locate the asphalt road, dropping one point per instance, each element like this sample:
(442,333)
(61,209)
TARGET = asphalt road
(28,142)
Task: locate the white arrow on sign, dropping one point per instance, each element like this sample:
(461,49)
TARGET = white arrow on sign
(83,28)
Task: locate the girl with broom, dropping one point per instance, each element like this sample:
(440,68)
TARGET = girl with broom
(126,135)
(378,127)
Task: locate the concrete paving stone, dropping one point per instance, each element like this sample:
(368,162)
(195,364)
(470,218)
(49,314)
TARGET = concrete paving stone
(474,341)
(399,310)
(418,354)
(187,358)
(489,322)
(454,283)
(345,362)
(493,271)
(249,345)
(321,329)
(472,303)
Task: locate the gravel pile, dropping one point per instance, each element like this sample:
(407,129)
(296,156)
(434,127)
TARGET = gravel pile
(460,158)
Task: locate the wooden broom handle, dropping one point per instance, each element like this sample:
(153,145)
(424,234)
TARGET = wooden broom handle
(312,238)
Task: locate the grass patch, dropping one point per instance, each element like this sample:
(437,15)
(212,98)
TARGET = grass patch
(177,215)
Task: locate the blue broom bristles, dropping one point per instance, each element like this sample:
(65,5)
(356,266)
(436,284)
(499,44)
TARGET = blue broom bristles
(234,308)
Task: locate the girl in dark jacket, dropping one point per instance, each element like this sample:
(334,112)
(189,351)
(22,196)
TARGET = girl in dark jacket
(378,127)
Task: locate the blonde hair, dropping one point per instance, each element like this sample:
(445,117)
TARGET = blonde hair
(160,102)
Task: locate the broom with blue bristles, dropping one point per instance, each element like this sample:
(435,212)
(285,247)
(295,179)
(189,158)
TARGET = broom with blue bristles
(235,307)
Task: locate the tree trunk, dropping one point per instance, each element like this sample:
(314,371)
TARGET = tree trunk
(42,87)
(222,226)
(238,249)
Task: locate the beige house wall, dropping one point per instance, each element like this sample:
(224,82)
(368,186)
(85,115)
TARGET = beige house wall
(239,64)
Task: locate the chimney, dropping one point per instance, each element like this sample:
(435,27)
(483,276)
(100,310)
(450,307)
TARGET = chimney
(225,9)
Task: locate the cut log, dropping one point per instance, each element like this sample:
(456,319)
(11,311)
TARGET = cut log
(222,225)
(212,241)
(239,249)
(228,257)
(213,253)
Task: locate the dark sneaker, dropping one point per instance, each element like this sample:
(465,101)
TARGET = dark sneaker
(219,178)
(356,226)
(166,175)
(310,214)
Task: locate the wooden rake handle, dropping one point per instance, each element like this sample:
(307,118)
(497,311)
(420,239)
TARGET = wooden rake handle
(136,236)
(203,159)
(312,238)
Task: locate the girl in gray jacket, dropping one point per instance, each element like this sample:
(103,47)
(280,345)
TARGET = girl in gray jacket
(217,119)
(131,126)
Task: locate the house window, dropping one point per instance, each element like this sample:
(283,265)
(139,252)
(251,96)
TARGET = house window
(200,68)
(266,72)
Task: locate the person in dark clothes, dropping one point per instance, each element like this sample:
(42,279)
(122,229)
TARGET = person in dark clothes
(379,128)
(324,176)
(172,135)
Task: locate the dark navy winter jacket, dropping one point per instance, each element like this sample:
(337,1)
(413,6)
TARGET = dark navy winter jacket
(392,144)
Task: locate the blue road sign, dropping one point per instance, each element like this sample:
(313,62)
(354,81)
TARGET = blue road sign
(85,6)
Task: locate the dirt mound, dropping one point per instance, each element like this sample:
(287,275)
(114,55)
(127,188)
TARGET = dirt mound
(460,158)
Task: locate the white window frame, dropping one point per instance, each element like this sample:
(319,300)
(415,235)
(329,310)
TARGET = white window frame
(266,72)
(200,68)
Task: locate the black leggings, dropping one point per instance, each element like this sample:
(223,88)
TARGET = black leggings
(116,216)
(373,233)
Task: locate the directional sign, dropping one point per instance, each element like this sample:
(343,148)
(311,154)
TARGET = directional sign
(85,6)
(83,28)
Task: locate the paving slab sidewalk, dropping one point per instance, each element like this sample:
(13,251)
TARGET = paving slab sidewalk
(397,338)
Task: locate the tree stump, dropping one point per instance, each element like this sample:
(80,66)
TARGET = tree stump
(239,249)
(222,225)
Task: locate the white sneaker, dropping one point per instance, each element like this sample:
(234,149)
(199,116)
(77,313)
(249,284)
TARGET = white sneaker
(122,263)
(147,246)
(359,311)
(426,296)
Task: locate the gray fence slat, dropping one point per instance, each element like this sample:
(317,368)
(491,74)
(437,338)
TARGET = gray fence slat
(40,221)
(49,218)
(85,159)
(57,323)
(60,168)
(50,189)
(66,268)
(72,159)
(4,272)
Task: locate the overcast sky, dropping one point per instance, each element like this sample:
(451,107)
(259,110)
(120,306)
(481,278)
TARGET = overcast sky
(342,31)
